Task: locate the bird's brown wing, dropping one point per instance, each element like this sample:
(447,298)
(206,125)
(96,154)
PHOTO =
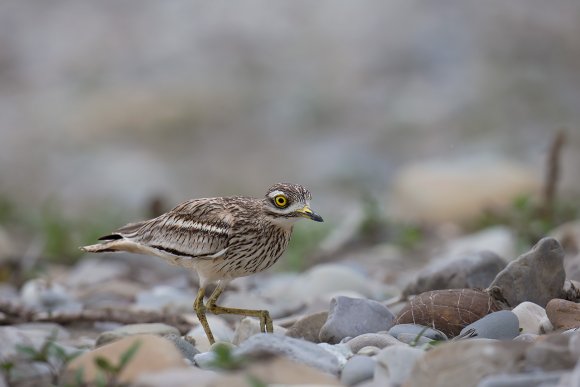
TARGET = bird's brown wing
(198,228)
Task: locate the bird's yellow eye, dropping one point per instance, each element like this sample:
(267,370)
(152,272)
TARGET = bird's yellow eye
(281,201)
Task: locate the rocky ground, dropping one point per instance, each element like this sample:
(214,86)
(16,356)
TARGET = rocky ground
(467,313)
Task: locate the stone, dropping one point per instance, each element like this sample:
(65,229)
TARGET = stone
(369,351)
(499,239)
(308,327)
(501,325)
(91,271)
(395,364)
(527,337)
(154,354)
(357,369)
(276,371)
(466,362)
(250,326)
(341,351)
(31,335)
(378,340)
(354,316)
(551,353)
(533,379)
(455,192)
(417,330)
(220,329)
(563,314)
(329,278)
(177,377)
(448,310)
(536,276)
(298,350)
(530,316)
(185,347)
(159,329)
(546,325)
(475,270)
(164,297)
(43,295)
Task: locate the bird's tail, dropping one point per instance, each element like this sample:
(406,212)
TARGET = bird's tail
(117,245)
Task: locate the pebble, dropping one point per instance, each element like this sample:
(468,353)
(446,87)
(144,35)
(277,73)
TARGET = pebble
(308,327)
(159,329)
(563,314)
(327,279)
(466,362)
(185,347)
(395,364)
(43,295)
(354,316)
(414,340)
(551,353)
(154,354)
(378,340)
(536,276)
(502,325)
(368,351)
(476,270)
(277,371)
(415,329)
(357,369)
(164,297)
(341,351)
(530,316)
(298,350)
(533,379)
(177,377)
(250,326)
(220,329)
(92,271)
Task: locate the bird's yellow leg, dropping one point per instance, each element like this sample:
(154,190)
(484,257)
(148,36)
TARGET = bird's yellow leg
(266,324)
(200,308)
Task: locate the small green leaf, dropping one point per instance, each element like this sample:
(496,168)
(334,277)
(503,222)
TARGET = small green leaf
(127,356)
(104,364)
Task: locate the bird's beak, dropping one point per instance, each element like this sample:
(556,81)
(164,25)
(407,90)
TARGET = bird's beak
(306,212)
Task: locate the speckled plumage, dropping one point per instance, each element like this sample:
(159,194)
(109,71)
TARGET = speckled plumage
(220,238)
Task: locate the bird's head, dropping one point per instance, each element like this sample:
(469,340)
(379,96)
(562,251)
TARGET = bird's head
(289,202)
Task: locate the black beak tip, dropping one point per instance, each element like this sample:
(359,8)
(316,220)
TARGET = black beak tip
(317,218)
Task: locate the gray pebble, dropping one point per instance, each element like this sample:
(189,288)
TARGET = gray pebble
(357,369)
(300,351)
(187,349)
(502,325)
(353,317)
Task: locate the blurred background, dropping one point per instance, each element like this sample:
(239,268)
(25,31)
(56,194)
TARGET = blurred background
(412,111)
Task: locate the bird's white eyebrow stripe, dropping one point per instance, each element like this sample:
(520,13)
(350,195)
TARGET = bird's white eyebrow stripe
(193,225)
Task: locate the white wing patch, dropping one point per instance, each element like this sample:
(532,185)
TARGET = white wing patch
(193,225)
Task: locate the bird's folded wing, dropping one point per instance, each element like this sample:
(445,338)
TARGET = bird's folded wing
(198,228)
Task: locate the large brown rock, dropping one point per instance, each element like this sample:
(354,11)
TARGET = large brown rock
(563,314)
(153,355)
(448,310)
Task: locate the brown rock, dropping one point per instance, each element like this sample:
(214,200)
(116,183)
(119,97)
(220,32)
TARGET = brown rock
(308,327)
(153,355)
(563,314)
(536,276)
(448,310)
(552,352)
(276,371)
(464,363)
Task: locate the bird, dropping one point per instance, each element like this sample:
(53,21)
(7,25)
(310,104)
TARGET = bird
(221,238)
